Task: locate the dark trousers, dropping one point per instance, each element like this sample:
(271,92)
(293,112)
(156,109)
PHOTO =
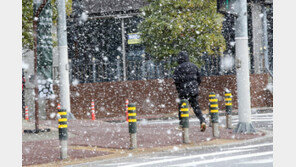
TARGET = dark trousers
(193,101)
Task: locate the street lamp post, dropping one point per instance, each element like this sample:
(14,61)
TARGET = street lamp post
(63,58)
(242,70)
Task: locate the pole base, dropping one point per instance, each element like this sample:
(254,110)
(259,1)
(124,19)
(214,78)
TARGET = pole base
(133,141)
(215,128)
(64,149)
(210,121)
(185,135)
(229,122)
(244,127)
(36,131)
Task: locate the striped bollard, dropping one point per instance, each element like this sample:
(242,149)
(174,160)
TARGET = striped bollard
(184,110)
(126,109)
(228,109)
(132,125)
(214,112)
(63,133)
(26,113)
(210,119)
(93,117)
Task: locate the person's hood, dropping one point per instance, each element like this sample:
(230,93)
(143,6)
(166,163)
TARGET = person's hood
(183,57)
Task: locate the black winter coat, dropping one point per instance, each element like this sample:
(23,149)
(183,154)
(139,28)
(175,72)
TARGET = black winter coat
(186,77)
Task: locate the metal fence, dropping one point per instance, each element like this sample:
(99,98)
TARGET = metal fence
(137,69)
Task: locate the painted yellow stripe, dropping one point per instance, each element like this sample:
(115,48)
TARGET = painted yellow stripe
(62,119)
(184,115)
(63,126)
(227,94)
(183,104)
(132,114)
(212,95)
(132,120)
(214,105)
(228,99)
(213,100)
(214,110)
(131,108)
(63,113)
(228,104)
(184,109)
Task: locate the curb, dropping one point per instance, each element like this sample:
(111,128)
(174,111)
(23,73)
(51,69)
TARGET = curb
(268,135)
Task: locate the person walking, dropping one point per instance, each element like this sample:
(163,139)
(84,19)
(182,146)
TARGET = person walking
(187,78)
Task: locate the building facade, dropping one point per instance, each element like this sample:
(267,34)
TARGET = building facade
(99,44)
(104,51)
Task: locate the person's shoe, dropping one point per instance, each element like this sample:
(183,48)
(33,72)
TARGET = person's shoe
(203,126)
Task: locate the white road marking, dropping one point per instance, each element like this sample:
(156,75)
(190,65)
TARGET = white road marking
(227,158)
(113,164)
(255,120)
(261,161)
(175,158)
(165,157)
(251,146)
(184,158)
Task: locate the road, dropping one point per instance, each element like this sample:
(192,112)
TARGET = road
(254,153)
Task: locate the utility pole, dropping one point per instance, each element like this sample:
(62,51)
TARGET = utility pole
(242,70)
(63,58)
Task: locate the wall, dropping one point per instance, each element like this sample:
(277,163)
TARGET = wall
(154,96)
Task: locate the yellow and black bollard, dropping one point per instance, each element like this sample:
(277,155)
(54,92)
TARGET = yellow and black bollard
(184,110)
(214,113)
(63,133)
(132,125)
(228,109)
(210,119)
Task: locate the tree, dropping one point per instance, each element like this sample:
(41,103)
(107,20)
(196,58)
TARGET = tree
(27,24)
(27,20)
(170,26)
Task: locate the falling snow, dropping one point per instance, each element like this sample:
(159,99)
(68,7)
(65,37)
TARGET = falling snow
(109,62)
